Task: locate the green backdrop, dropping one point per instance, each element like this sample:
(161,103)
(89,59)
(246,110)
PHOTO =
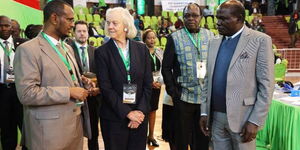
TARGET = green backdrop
(23,14)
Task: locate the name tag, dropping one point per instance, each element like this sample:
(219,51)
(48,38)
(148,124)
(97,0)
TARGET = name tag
(10,76)
(129,93)
(201,70)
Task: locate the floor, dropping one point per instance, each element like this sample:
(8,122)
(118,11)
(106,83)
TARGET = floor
(293,77)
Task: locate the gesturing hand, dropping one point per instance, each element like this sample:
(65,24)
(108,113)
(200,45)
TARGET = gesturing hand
(78,93)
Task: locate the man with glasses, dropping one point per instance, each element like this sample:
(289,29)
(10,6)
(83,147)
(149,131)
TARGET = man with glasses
(183,70)
(49,84)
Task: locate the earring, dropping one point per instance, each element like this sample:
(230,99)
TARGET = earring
(125,29)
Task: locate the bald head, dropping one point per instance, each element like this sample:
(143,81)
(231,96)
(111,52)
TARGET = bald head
(231,16)
(236,7)
(5,27)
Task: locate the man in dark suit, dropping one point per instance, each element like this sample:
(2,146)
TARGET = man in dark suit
(84,55)
(11,109)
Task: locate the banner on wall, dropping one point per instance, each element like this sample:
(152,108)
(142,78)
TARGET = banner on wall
(178,5)
(79,3)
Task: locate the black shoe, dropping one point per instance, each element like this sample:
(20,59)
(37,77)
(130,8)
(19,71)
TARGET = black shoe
(152,142)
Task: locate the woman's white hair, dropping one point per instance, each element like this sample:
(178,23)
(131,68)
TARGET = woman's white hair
(127,20)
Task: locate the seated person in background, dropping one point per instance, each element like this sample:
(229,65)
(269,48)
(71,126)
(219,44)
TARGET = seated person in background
(163,30)
(92,31)
(171,26)
(208,13)
(179,23)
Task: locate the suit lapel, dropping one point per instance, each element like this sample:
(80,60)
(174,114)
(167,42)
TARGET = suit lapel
(91,58)
(133,60)
(49,51)
(117,57)
(215,46)
(77,56)
(73,61)
(240,46)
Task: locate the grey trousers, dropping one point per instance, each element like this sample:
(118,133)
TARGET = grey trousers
(224,139)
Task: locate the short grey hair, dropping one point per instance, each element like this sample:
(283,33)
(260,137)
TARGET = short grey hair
(127,20)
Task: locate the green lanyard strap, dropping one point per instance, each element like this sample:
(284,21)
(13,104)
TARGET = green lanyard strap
(60,55)
(6,51)
(154,60)
(194,41)
(126,61)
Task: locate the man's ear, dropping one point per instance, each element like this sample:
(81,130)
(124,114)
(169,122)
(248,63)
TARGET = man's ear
(54,18)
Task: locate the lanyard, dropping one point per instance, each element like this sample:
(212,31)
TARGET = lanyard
(60,55)
(6,51)
(126,61)
(154,60)
(194,41)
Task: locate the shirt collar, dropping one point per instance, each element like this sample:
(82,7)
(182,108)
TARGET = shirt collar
(10,40)
(79,45)
(236,34)
(52,39)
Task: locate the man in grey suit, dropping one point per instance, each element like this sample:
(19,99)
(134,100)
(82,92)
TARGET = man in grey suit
(48,85)
(239,81)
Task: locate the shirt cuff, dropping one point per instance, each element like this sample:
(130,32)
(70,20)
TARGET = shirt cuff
(203,114)
(254,123)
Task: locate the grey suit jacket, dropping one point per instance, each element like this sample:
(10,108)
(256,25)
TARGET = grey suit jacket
(250,79)
(51,118)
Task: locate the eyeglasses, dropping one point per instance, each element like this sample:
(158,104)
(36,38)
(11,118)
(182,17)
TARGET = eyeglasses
(186,16)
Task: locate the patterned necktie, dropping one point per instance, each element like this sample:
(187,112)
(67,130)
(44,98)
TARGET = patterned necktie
(6,60)
(83,57)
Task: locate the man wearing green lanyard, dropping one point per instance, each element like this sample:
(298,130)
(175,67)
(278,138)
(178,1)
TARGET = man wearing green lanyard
(49,84)
(183,70)
(10,107)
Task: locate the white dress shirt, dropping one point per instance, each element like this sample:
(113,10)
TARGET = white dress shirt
(2,54)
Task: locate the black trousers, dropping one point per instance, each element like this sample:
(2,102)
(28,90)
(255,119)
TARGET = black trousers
(187,128)
(11,117)
(117,136)
(93,103)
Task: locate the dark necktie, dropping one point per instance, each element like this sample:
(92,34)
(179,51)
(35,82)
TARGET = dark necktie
(83,57)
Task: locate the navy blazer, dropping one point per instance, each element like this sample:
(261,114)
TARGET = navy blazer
(111,75)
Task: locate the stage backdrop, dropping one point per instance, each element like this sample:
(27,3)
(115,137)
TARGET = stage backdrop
(22,13)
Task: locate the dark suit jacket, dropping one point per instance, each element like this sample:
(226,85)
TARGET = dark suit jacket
(91,51)
(111,74)
(171,70)
(18,41)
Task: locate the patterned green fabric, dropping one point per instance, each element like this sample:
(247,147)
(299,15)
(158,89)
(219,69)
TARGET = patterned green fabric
(187,56)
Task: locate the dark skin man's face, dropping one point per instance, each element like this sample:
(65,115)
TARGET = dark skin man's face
(5,28)
(227,24)
(192,18)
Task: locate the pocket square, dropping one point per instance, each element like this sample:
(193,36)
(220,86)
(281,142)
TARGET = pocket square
(244,55)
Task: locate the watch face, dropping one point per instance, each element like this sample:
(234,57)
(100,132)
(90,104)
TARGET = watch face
(10,70)
(89,74)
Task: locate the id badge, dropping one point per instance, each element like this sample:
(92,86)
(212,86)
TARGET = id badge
(10,76)
(156,76)
(129,93)
(201,70)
